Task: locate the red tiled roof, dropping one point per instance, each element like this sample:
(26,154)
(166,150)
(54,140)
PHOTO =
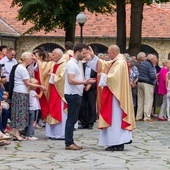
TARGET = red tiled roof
(156,23)
(5,29)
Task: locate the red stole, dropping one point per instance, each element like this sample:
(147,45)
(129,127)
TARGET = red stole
(107,108)
(55,100)
(43,100)
(106,105)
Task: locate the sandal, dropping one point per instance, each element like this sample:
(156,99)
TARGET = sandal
(5,137)
(18,138)
(4,142)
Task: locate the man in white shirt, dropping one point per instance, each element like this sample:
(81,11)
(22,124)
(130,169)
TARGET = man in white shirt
(9,61)
(73,90)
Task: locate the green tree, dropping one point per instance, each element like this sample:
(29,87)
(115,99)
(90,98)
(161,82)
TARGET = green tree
(136,24)
(121,25)
(48,15)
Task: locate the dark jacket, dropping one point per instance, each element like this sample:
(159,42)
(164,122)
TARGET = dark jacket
(146,72)
(93,74)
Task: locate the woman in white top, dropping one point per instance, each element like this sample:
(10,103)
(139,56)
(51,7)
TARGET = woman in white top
(20,100)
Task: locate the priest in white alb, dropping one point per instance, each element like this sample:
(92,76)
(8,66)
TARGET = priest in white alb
(116,119)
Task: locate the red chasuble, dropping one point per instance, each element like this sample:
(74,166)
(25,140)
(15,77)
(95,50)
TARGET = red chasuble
(43,100)
(55,100)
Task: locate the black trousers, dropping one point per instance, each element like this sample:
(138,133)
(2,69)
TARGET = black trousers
(74,103)
(87,115)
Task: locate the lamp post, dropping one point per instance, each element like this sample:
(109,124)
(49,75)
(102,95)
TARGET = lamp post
(81,19)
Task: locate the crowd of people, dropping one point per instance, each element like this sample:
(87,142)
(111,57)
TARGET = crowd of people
(63,89)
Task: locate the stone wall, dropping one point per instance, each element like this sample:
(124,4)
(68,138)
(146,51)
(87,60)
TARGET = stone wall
(9,42)
(162,46)
(25,43)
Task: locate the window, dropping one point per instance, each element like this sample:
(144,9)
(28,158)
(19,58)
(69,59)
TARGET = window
(149,50)
(99,48)
(49,47)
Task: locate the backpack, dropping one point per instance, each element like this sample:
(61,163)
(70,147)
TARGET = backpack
(11,80)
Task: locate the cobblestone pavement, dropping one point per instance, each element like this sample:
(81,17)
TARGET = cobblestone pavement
(150,150)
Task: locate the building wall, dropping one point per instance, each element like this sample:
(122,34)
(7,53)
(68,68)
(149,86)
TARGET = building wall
(161,46)
(9,42)
(30,43)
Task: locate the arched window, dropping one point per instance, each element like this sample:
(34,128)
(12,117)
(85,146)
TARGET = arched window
(99,48)
(149,50)
(49,47)
(169,56)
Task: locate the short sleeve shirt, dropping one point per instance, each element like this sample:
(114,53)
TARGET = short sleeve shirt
(73,67)
(33,101)
(21,74)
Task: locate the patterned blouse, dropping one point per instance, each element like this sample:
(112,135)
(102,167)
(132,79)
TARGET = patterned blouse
(134,73)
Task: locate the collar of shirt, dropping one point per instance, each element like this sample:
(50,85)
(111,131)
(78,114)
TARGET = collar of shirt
(74,60)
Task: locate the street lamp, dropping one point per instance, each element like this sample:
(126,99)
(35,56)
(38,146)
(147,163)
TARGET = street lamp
(81,19)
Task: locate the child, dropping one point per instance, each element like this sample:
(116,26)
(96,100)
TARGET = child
(5,101)
(34,108)
(168,94)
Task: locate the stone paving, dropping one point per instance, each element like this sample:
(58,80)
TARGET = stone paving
(150,150)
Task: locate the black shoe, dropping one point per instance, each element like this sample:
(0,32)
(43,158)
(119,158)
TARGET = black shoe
(56,138)
(90,127)
(115,148)
(83,127)
(129,142)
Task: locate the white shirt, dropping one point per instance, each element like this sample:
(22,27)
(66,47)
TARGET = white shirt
(34,103)
(87,72)
(73,67)
(21,74)
(8,66)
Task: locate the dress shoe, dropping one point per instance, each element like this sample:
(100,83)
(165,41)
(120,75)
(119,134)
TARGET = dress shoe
(90,127)
(115,148)
(149,120)
(72,147)
(162,119)
(79,146)
(128,142)
(83,127)
(53,138)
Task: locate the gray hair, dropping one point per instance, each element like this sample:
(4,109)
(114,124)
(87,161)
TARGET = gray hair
(140,54)
(126,56)
(151,56)
(58,51)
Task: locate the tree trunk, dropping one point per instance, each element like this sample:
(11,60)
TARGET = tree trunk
(136,27)
(70,31)
(121,25)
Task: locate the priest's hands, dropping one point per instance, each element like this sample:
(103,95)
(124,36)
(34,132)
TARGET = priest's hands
(91,52)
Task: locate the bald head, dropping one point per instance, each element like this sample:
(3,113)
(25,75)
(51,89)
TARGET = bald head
(113,51)
(57,54)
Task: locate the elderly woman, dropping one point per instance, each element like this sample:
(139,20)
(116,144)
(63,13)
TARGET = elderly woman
(20,100)
(133,74)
